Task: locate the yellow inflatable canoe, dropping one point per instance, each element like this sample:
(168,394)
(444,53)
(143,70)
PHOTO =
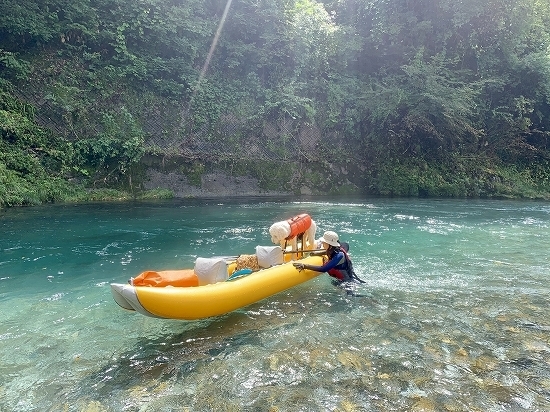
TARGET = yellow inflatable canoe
(198,302)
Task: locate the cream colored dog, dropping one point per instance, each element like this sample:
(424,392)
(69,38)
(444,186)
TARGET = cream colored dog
(279,231)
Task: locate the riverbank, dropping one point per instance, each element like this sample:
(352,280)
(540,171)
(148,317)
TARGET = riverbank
(173,179)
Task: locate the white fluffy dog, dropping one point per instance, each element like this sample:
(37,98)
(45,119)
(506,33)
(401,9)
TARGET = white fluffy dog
(279,231)
(309,237)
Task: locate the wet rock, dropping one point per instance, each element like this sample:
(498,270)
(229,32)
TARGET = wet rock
(484,364)
(94,406)
(462,352)
(424,405)
(352,360)
(501,393)
(348,406)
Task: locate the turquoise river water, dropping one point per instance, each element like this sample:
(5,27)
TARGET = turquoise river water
(454,314)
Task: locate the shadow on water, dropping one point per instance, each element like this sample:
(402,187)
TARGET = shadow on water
(169,356)
(183,347)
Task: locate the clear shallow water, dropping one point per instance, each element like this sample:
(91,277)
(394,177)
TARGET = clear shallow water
(454,316)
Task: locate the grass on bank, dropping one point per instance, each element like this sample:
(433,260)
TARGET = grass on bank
(16,190)
(466,178)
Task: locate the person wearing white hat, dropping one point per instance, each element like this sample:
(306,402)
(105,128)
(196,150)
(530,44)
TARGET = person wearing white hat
(338,265)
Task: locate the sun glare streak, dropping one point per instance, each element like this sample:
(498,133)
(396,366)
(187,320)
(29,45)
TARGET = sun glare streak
(212,48)
(214,43)
(207,61)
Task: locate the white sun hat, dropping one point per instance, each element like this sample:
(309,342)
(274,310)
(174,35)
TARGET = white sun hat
(331,238)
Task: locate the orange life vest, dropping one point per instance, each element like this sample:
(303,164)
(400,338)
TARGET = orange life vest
(298,224)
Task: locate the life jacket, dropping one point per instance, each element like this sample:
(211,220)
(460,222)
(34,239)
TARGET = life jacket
(343,271)
(298,225)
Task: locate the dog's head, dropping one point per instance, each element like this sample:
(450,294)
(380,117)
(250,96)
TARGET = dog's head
(279,231)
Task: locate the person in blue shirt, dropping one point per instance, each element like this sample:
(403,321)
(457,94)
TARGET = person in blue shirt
(338,264)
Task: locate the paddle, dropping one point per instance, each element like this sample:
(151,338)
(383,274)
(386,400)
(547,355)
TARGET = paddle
(314,251)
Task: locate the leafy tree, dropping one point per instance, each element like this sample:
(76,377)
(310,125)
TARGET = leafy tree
(114,150)
(390,87)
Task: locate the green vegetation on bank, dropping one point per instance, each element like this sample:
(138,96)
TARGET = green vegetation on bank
(37,166)
(424,98)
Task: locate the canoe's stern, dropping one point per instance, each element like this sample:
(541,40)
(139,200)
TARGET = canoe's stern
(125,296)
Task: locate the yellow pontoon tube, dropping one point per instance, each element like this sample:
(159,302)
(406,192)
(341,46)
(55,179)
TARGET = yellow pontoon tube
(190,303)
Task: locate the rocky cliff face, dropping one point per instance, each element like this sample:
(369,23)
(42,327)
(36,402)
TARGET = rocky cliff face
(212,185)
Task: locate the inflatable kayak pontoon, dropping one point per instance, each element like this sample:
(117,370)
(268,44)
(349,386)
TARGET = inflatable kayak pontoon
(216,286)
(197,302)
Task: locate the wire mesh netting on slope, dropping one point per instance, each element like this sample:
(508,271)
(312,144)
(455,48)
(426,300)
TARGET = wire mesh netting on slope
(168,130)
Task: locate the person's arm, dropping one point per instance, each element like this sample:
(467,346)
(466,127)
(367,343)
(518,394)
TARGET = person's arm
(325,268)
